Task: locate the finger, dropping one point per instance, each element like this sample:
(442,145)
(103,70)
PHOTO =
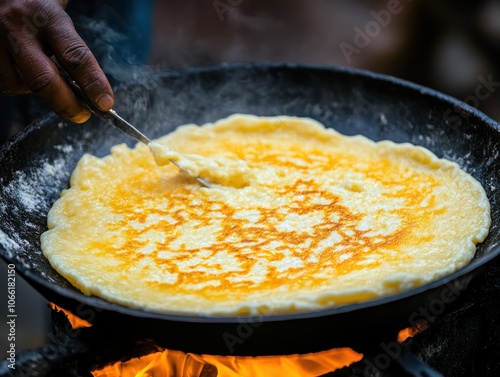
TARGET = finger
(42,78)
(11,82)
(77,59)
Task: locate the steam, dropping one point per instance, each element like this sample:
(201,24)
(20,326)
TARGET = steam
(157,105)
(122,54)
(114,46)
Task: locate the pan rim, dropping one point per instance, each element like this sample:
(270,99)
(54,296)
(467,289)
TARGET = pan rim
(102,304)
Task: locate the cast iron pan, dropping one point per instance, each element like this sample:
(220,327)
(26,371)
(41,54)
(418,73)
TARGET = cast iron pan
(36,165)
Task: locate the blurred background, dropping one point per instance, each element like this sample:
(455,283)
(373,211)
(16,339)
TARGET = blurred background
(449,45)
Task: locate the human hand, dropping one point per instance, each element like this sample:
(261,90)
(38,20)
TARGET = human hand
(31,31)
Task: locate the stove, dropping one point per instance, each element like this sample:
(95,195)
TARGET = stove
(457,336)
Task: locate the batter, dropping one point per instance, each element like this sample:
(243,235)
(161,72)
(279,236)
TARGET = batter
(298,218)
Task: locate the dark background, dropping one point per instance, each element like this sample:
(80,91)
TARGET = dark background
(451,46)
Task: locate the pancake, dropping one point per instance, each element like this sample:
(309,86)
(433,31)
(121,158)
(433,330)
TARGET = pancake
(298,218)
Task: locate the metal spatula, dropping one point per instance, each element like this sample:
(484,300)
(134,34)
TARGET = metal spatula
(114,119)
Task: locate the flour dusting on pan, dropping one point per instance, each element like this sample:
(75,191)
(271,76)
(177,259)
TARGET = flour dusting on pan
(27,198)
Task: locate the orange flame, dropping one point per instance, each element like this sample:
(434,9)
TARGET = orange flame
(406,333)
(176,363)
(411,332)
(75,321)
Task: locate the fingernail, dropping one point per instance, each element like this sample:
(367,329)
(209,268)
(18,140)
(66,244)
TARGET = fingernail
(104,102)
(82,117)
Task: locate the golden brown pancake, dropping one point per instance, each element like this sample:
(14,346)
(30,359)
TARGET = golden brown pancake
(298,218)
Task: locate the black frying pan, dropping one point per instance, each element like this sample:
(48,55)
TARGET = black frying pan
(37,163)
